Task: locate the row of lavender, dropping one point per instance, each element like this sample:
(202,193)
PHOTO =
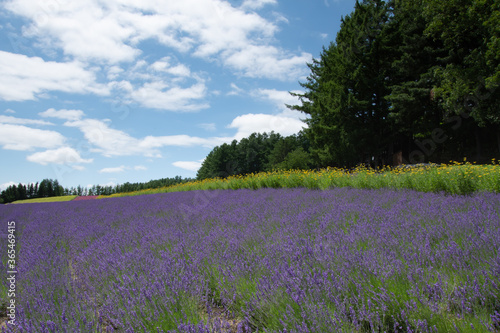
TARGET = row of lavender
(296,260)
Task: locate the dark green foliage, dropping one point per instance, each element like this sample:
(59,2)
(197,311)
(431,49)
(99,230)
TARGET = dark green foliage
(290,153)
(257,153)
(46,188)
(417,77)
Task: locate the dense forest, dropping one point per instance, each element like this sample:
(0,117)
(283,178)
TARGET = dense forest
(405,81)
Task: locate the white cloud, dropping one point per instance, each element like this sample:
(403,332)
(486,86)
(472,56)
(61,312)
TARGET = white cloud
(180,141)
(113,170)
(159,95)
(64,155)
(191,166)
(281,99)
(235,90)
(260,123)
(122,168)
(109,141)
(285,122)
(18,137)
(82,29)
(26,78)
(22,121)
(5,185)
(257,4)
(258,61)
(111,32)
(114,72)
(112,142)
(10,111)
(164,65)
(71,115)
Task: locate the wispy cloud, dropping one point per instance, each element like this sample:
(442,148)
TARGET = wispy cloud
(72,115)
(257,4)
(113,170)
(211,127)
(22,121)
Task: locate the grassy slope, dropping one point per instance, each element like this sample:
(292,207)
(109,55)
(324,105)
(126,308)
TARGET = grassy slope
(452,178)
(51,199)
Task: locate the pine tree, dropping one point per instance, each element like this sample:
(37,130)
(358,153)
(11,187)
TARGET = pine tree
(345,93)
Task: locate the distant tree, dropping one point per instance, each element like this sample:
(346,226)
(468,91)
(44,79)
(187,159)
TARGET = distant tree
(283,147)
(297,159)
(31,191)
(21,192)
(249,155)
(43,188)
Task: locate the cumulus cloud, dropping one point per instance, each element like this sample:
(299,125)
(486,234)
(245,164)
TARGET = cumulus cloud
(164,65)
(110,32)
(257,61)
(19,137)
(284,121)
(159,95)
(63,155)
(186,165)
(27,78)
(260,123)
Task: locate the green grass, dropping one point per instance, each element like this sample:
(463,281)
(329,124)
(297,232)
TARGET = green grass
(51,199)
(453,178)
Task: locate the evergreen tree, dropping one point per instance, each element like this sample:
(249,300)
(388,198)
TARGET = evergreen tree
(468,82)
(345,94)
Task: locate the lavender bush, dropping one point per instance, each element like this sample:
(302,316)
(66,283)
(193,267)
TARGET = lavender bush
(294,260)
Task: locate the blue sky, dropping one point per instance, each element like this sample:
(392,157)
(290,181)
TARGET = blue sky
(105,92)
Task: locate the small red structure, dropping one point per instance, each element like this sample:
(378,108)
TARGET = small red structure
(85,197)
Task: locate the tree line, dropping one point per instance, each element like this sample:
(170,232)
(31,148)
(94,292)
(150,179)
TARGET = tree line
(51,188)
(259,152)
(46,188)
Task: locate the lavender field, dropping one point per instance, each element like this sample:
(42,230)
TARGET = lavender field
(270,260)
